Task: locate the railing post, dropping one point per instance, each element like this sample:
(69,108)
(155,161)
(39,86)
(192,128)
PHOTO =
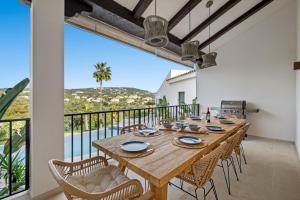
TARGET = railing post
(81,137)
(111,124)
(10,160)
(118,127)
(72,138)
(27,150)
(140,116)
(90,135)
(133,116)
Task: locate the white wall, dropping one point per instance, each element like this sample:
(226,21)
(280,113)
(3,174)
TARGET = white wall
(47,85)
(298,109)
(170,89)
(256,66)
(298,81)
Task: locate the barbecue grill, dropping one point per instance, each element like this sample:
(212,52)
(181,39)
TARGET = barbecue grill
(237,108)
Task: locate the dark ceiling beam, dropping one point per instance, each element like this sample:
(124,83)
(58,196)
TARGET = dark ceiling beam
(221,11)
(140,8)
(236,22)
(182,13)
(127,14)
(73,7)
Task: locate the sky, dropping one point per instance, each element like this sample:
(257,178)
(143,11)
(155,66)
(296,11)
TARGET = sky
(130,67)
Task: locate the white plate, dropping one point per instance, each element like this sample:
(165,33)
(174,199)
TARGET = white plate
(134,146)
(189,140)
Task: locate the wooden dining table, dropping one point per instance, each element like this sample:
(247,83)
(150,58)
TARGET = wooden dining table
(167,160)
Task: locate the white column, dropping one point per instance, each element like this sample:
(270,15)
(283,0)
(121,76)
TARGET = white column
(298,82)
(47,86)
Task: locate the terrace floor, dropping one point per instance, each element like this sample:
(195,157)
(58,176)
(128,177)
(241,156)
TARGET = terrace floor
(273,172)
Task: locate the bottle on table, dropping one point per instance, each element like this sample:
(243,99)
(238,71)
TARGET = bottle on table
(208,115)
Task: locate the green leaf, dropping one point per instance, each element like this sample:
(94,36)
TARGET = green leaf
(10,95)
(18,140)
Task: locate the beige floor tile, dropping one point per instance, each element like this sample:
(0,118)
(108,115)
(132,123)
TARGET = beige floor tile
(272,173)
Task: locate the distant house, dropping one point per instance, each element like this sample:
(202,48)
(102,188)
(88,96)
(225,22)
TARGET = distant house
(77,97)
(130,100)
(90,99)
(66,100)
(179,87)
(147,99)
(25,97)
(98,100)
(133,97)
(114,100)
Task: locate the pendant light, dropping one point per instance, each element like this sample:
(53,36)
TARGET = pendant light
(198,62)
(209,59)
(156,30)
(189,50)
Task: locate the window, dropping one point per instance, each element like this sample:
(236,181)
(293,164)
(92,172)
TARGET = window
(181,98)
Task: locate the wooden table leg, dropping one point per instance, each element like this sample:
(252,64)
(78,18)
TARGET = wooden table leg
(160,193)
(122,165)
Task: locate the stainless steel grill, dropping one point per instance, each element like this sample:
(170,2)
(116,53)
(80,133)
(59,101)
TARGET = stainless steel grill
(237,108)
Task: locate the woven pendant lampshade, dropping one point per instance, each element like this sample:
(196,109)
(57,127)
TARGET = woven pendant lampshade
(156,31)
(198,62)
(190,50)
(209,60)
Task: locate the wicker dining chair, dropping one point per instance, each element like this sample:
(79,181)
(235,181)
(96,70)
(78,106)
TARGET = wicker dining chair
(95,179)
(239,149)
(228,158)
(201,172)
(131,128)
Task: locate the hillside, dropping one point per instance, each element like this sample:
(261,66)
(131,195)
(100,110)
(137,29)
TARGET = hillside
(89,99)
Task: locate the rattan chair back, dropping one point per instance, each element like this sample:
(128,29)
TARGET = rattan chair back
(231,143)
(242,136)
(61,171)
(131,128)
(203,169)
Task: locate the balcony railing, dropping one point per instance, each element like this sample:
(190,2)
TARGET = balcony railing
(14,156)
(83,128)
(80,130)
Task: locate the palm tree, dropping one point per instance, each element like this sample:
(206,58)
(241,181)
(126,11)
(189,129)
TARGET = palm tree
(102,73)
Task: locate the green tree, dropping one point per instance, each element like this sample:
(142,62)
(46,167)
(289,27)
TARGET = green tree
(102,73)
(163,101)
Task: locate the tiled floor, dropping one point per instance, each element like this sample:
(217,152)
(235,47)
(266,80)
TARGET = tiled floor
(272,173)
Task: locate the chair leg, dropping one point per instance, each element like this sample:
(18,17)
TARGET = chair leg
(228,177)
(234,168)
(214,189)
(243,154)
(145,182)
(238,159)
(196,195)
(181,184)
(227,181)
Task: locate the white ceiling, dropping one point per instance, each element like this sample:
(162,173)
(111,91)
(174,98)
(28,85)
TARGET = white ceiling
(168,8)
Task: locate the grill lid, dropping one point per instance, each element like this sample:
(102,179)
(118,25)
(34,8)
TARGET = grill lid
(225,104)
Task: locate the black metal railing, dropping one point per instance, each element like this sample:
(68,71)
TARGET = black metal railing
(82,128)
(14,156)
